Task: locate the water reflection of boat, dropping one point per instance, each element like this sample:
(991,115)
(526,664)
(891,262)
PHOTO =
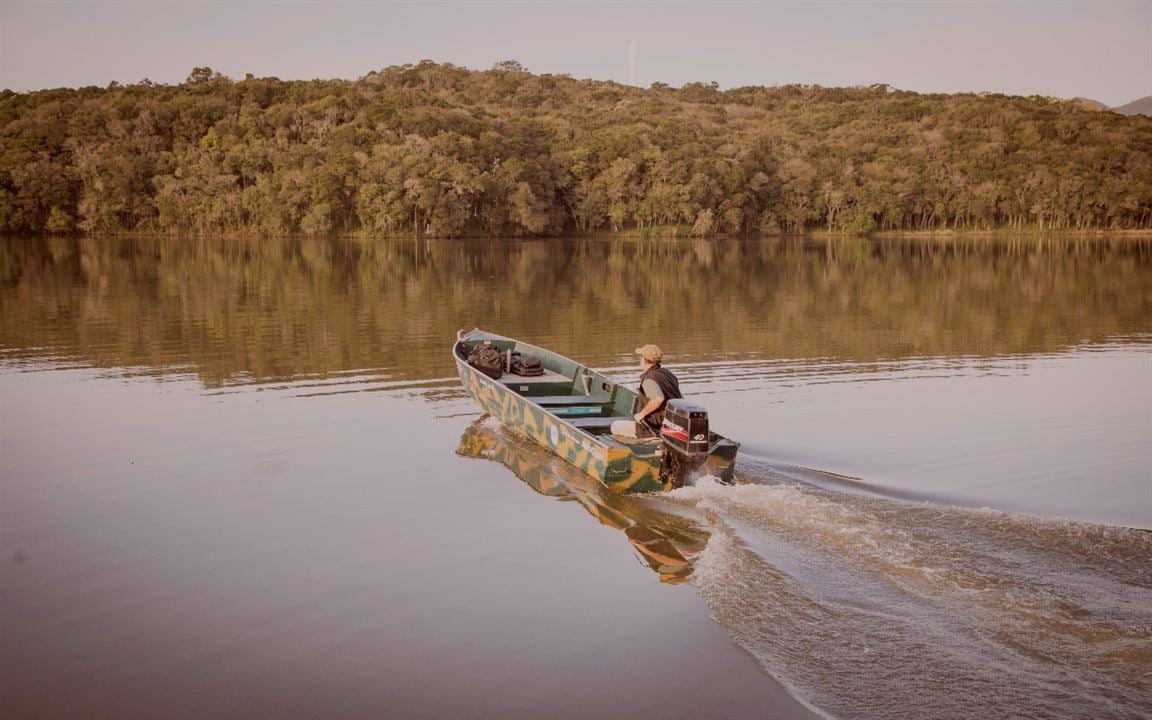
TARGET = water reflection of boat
(569,409)
(666,542)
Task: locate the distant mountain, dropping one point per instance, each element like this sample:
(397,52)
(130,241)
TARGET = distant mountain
(1143,106)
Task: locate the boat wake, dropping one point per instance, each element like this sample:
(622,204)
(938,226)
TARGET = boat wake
(871,607)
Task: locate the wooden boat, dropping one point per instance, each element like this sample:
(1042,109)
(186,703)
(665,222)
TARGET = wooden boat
(570,408)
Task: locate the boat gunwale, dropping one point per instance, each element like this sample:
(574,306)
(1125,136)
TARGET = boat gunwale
(598,439)
(721,440)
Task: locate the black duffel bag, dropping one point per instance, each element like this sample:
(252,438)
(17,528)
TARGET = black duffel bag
(487,360)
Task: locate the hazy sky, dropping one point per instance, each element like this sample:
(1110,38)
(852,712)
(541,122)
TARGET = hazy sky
(1101,49)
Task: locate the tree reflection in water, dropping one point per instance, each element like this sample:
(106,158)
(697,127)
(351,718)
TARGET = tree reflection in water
(235,311)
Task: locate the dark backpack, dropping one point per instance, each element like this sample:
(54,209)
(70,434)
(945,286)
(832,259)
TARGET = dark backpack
(487,360)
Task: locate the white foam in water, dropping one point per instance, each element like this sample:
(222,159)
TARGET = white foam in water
(875,608)
(1017,433)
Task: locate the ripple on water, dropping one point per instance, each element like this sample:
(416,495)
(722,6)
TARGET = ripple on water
(874,608)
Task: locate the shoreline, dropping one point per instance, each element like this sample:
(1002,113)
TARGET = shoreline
(996,233)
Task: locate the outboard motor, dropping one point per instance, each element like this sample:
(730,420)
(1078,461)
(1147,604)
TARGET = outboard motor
(684,434)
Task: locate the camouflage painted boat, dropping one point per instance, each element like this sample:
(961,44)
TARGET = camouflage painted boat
(666,542)
(570,408)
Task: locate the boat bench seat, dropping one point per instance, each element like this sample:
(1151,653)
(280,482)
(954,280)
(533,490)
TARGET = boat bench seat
(561,400)
(549,376)
(585,423)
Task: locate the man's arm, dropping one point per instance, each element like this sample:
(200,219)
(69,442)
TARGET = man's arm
(652,406)
(655,398)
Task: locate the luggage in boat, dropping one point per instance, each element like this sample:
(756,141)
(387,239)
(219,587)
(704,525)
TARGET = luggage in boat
(526,365)
(487,360)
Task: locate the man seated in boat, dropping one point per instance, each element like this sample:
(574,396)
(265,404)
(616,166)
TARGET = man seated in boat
(657,387)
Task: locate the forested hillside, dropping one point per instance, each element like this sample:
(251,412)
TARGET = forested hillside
(439,150)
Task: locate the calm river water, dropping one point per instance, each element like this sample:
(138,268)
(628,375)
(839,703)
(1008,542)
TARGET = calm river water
(241,479)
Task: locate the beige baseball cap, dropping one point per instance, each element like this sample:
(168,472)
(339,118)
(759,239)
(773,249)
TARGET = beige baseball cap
(650,352)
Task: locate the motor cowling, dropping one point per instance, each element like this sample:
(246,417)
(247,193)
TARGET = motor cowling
(684,434)
(685,429)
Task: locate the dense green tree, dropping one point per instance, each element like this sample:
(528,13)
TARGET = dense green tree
(438,150)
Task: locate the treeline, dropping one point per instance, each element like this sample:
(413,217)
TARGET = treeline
(438,150)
